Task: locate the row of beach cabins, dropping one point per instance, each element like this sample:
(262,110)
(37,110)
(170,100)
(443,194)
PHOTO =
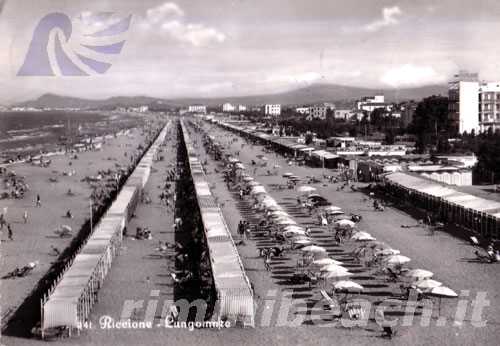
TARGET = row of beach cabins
(69,301)
(235,301)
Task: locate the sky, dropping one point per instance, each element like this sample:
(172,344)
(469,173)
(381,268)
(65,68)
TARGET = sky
(213,48)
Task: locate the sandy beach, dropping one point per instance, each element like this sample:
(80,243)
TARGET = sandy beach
(138,275)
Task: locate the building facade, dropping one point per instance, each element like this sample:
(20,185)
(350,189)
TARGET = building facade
(489,106)
(317,112)
(370,103)
(473,105)
(197,109)
(227,107)
(272,109)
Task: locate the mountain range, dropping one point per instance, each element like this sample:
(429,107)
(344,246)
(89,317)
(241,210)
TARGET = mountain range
(315,93)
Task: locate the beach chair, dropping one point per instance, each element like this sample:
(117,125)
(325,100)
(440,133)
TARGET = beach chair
(331,303)
(355,311)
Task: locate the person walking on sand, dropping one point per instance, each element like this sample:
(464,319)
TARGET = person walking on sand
(25,216)
(38,201)
(2,221)
(9,232)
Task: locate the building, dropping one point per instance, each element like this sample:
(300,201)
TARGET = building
(272,109)
(344,114)
(473,105)
(242,108)
(370,103)
(463,98)
(317,112)
(197,109)
(227,108)
(320,111)
(408,110)
(302,110)
(489,106)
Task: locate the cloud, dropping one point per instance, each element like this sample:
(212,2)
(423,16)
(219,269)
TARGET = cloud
(389,17)
(164,12)
(411,75)
(169,18)
(196,34)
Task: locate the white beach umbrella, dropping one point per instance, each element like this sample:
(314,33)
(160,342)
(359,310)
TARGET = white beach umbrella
(362,236)
(387,252)
(428,284)
(336,274)
(347,286)
(313,249)
(344,223)
(419,274)
(397,259)
(325,261)
(332,268)
(330,208)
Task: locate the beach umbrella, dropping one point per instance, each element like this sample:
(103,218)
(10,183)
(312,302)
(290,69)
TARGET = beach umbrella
(362,236)
(284,222)
(332,268)
(387,252)
(336,274)
(259,156)
(398,259)
(347,286)
(247,178)
(264,158)
(252,183)
(276,166)
(233,160)
(239,165)
(287,175)
(365,238)
(293,228)
(258,189)
(345,223)
(301,241)
(428,284)
(325,261)
(314,249)
(305,189)
(419,274)
(442,292)
(331,208)
(334,212)
(268,201)
(293,232)
(278,213)
(314,195)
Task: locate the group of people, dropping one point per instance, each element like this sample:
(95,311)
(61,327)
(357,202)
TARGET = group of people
(14,185)
(243,229)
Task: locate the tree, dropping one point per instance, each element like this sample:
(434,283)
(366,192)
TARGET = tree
(430,120)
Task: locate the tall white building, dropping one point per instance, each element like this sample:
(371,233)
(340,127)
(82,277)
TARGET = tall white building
(272,109)
(197,109)
(370,103)
(227,107)
(489,106)
(473,105)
